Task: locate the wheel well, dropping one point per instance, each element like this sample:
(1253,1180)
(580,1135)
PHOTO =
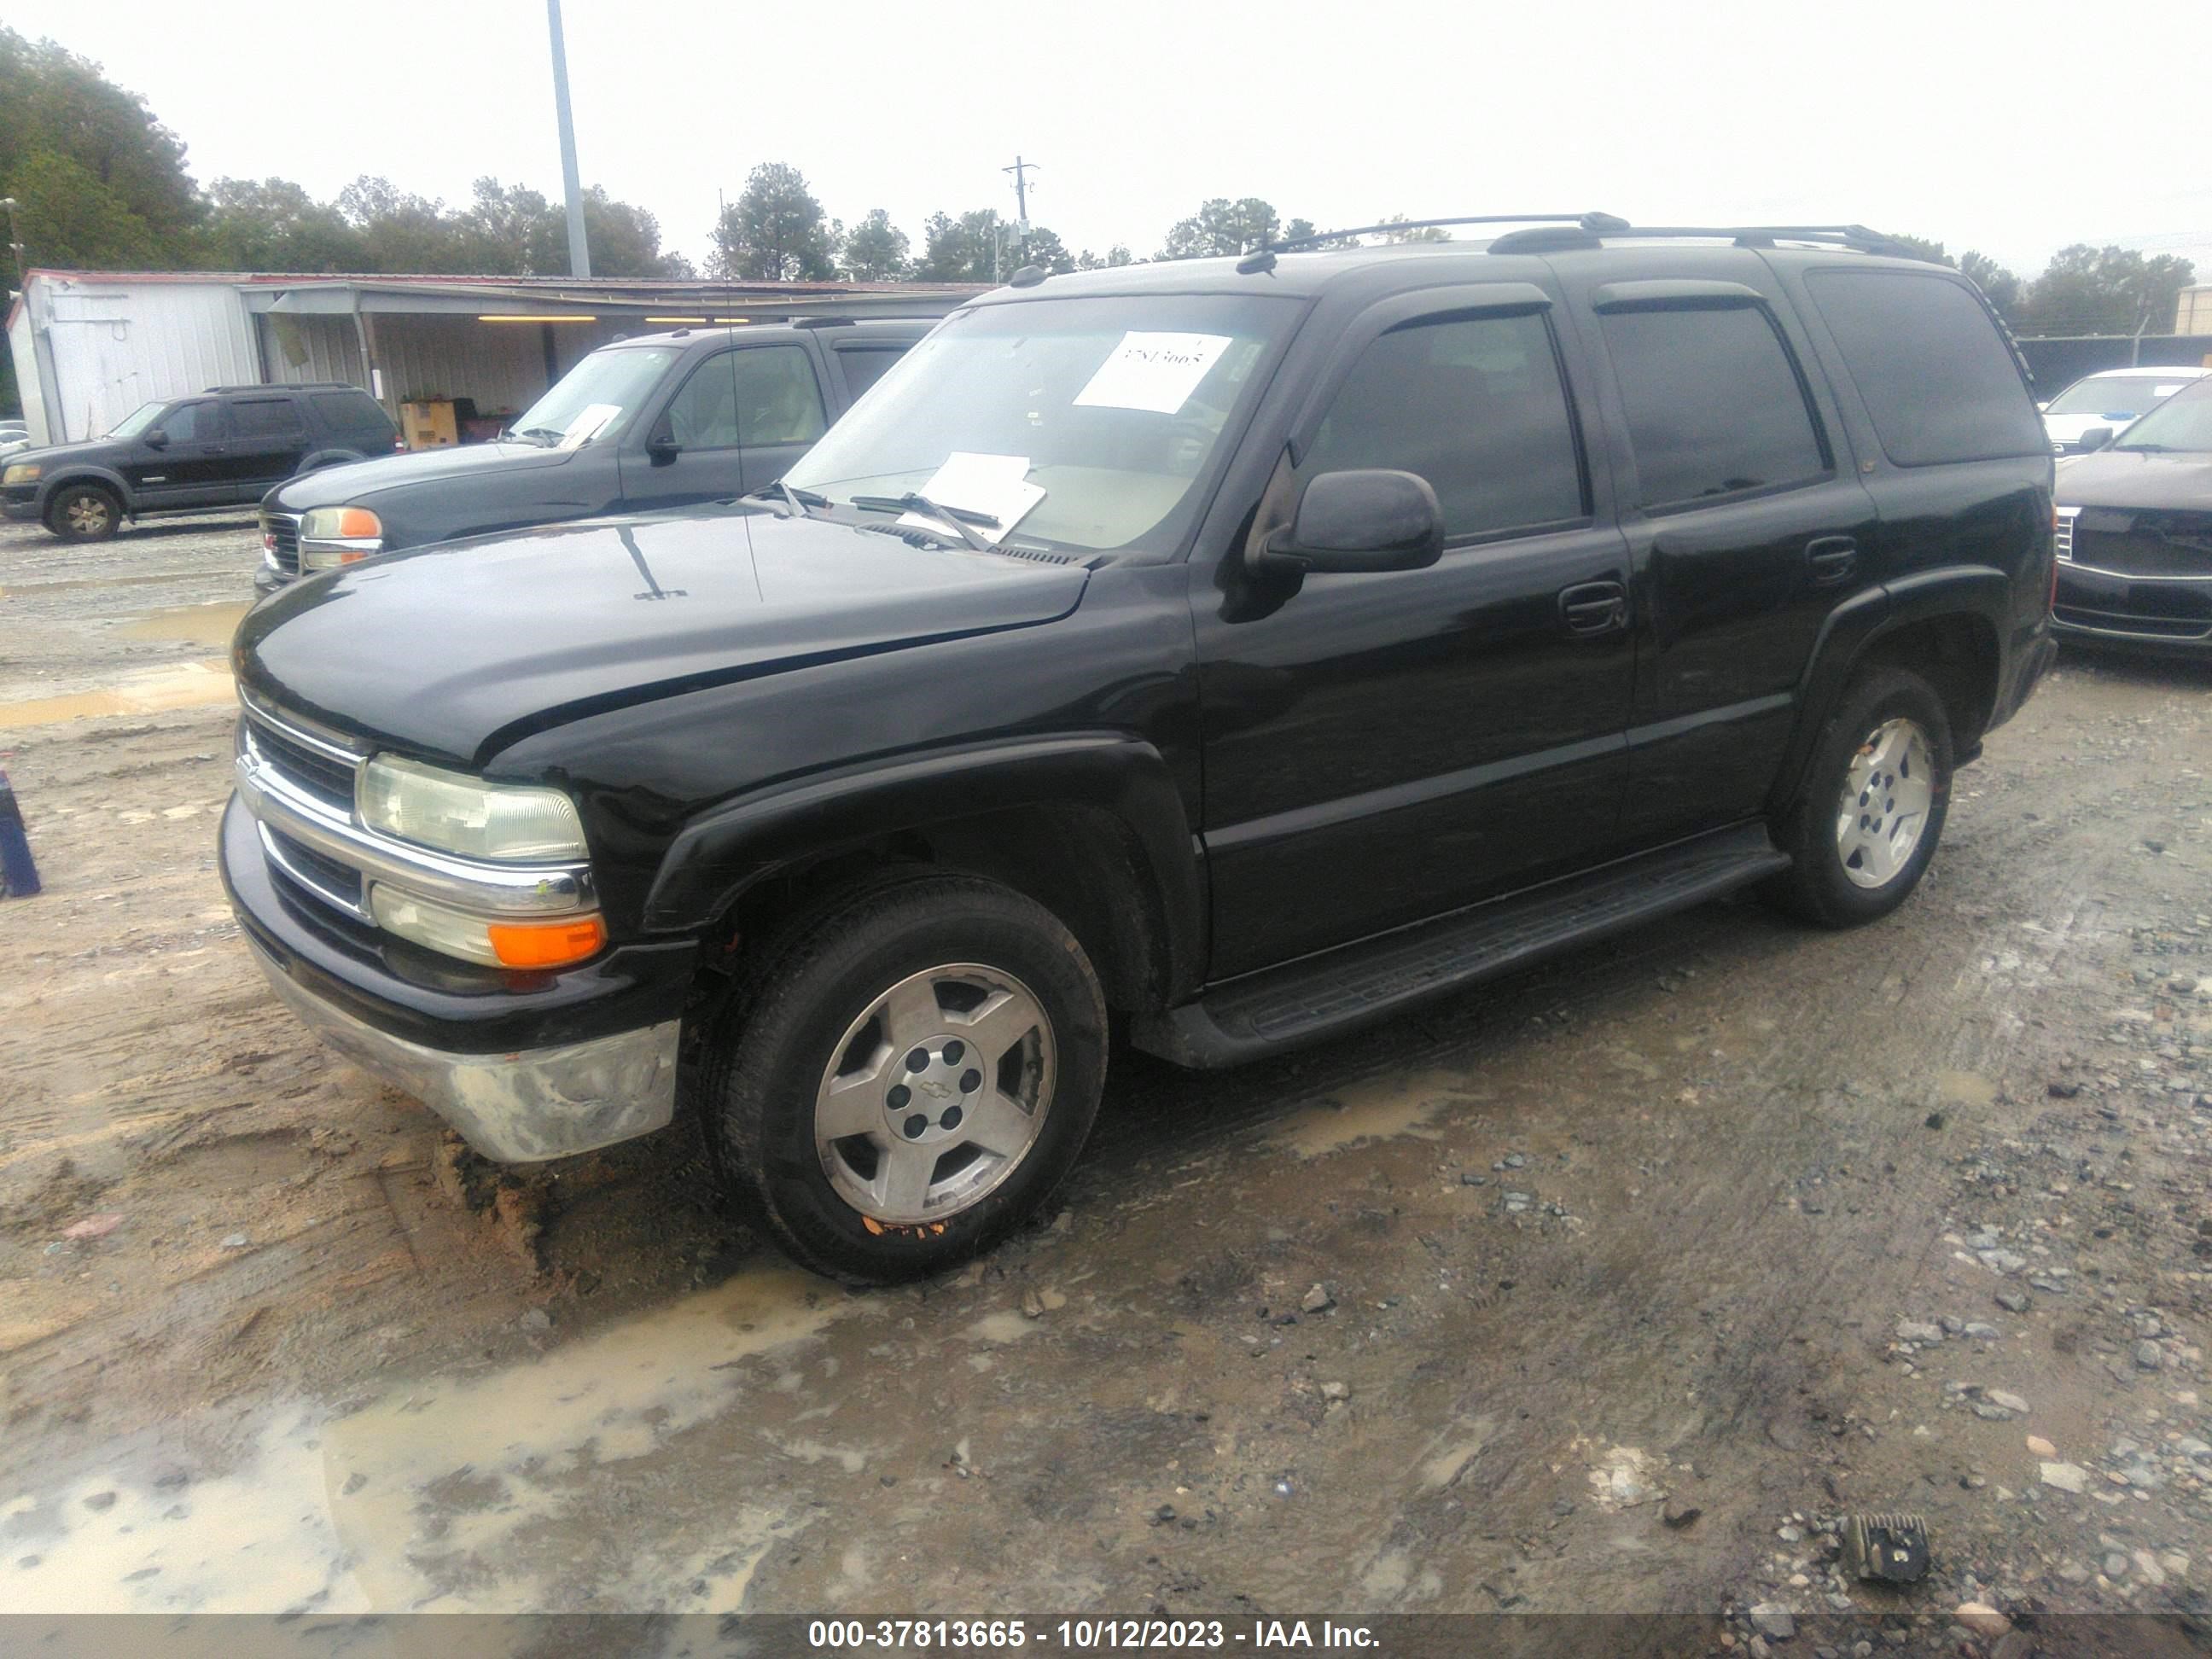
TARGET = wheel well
(1080,863)
(1957,655)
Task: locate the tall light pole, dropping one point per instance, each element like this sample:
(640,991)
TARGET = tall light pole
(580,250)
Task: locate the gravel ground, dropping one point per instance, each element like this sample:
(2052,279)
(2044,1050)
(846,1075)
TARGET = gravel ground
(1616,1288)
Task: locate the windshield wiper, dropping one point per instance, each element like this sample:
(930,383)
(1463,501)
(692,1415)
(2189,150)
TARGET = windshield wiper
(530,434)
(799,499)
(958,517)
(2144,449)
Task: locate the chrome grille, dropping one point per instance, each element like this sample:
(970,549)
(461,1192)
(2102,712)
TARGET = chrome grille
(317,770)
(284,531)
(2063,534)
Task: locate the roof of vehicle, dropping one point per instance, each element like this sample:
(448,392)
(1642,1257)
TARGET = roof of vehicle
(1304,275)
(2148,372)
(909,328)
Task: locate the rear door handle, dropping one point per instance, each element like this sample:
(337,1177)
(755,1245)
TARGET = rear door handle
(1594,607)
(1832,558)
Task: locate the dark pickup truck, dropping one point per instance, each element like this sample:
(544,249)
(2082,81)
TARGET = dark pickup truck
(1243,649)
(660,421)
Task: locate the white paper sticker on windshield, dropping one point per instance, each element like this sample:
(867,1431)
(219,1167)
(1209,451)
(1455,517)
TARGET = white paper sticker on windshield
(993,486)
(1155,372)
(2165,390)
(589,419)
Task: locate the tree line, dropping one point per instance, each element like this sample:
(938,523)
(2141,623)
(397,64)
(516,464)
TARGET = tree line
(99,182)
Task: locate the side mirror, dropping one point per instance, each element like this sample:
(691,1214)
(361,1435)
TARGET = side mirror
(157,439)
(662,447)
(2094,439)
(1367,521)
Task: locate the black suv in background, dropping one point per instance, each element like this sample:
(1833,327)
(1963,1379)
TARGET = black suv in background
(661,421)
(221,448)
(1247,648)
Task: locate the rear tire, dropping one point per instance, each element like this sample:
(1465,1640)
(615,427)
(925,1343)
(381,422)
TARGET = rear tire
(1867,819)
(910,1072)
(84,512)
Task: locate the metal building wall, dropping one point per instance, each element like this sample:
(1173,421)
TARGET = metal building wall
(301,349)
(117,344)
(500,365)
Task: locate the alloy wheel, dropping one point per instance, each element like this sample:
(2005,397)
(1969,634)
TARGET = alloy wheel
(1883,812)
(935,1094)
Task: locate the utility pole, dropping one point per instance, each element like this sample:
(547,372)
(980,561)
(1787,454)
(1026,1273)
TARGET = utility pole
(580,250)
(1021,170)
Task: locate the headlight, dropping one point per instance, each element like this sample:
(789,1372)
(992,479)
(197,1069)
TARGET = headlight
(457,813)
(26,473)
(332,535)
(474,939)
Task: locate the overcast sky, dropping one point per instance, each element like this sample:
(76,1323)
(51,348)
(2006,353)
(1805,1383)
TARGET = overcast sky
(2014,130)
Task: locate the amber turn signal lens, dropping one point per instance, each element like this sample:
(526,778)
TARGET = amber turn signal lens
(546,945)
(359,521)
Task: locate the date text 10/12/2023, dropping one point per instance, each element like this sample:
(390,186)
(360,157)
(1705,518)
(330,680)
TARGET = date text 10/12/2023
(1087,1635)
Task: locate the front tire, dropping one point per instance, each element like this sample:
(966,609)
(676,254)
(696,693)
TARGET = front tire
(912,1073)
(1867,820)
(84,512)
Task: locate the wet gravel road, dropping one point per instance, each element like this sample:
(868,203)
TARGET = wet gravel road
(1610,1289)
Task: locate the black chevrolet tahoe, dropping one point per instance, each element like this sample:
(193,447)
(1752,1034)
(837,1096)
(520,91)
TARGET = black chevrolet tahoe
(222,448)
(1244,650)
(660,421)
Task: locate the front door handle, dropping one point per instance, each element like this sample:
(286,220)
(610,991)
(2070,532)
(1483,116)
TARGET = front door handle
(1832,558)
(1594,607)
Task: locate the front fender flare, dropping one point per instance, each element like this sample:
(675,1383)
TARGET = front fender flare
(107,477)
(719,856)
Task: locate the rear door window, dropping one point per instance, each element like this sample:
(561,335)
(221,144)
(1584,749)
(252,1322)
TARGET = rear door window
(1714,403)
(265,418)
(1938,381)
(864,365)
(1473,404)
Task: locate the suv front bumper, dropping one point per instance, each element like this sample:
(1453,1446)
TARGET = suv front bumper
(527,1066)
(20,504)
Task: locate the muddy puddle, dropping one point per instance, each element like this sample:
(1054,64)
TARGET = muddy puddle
(148,691)
(471,1493)
(195,624)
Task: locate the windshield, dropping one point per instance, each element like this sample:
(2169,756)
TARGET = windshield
(594,400)
(136,421)
(2121,396)
(1084,424)
(2183,421)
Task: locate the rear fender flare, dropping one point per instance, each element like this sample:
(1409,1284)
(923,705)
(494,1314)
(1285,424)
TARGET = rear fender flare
(1858,627)
(717,858)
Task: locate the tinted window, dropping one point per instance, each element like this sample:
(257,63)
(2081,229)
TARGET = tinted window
(265,418)
(353,412)
(1938,381)
(193,424)
(1714,405)
(864,367)
(1474,405)
(761,395)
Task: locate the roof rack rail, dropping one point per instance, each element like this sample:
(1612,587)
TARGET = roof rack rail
(280,385)
(1855,237)
(1595,221)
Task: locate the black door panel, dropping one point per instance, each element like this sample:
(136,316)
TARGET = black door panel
(190,465)
(1383,748)
(268,441)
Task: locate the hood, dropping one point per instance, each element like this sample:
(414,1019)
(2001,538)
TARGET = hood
(101,452)
(457,652)
(359,481)
(2178,482)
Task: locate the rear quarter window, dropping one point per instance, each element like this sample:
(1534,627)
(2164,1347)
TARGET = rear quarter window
(354,412)
(1937,378)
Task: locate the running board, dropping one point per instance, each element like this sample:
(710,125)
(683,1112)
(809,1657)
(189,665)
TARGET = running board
(1354,985)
